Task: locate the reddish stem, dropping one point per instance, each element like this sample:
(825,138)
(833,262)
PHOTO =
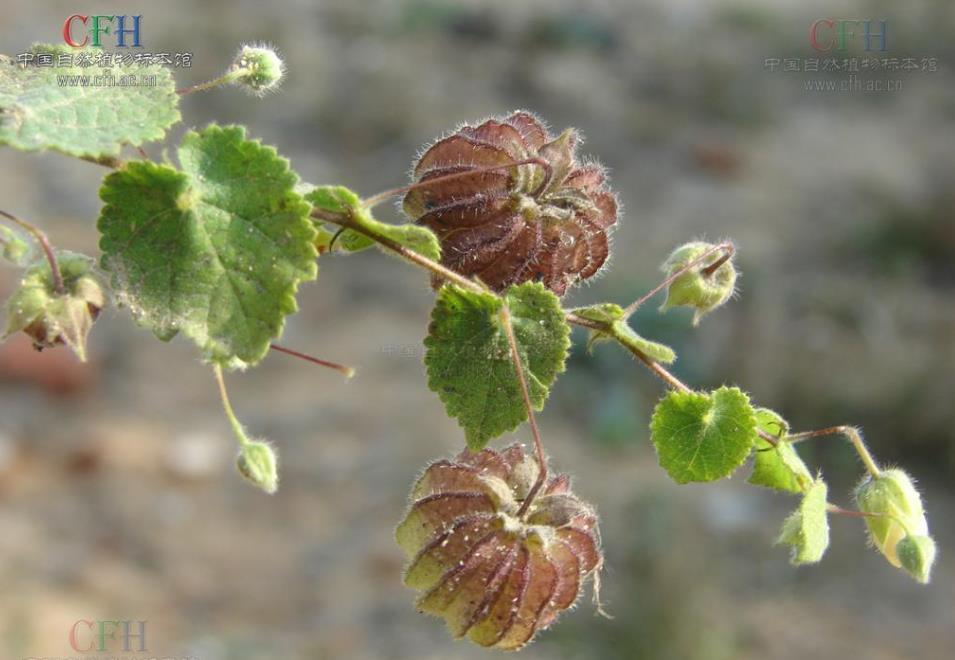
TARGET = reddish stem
(347,371)
(374,200)
(525,395)
(41,238)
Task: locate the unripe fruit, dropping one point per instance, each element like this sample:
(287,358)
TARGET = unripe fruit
(494,576)
(698,288)
(547,220)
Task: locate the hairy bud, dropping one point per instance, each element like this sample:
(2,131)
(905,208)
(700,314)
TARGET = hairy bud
(13,248)
(547,219)
(701,287)
(897,511)
(917,554)
(53,318)
(258,68)
(493,575)
(257,463)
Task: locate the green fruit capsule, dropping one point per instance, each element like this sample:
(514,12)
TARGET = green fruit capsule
(701,287)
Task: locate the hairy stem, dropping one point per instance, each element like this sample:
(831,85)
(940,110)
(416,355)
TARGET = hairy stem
(852,434)
(375,200)
(348,372)
(410,255)
(224,79)
(237,429)
(525,395)
(446,273)
(838,510)
(728,250)
(112,162)
(44,242)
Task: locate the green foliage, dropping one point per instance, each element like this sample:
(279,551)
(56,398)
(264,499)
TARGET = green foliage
(703,437)
(697,288)
(36,112)
(615,317)
(215,251)
(468,356)
(807,528)
(778,467)
(339,200)
(13,248)
(50,317)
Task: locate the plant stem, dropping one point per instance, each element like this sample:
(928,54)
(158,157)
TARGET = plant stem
(728,248)
(446,273)
(224,79)
(838,510)
(649,362)
(112,162)
(402,251)
(852,434)
(525,394)
(374,200)
(44,242)
(730,251)
(348,372)
(237,429)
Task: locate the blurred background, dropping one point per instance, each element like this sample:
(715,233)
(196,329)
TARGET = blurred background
(118,498)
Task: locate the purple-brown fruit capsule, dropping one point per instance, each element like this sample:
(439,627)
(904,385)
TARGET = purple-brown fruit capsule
(546,219)
(493,575)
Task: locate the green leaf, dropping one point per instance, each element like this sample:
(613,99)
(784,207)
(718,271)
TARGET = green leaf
(341,200)
(323,237)
(468,356)
(807,528)
(778,467)
(13,248)
(215,251)
(614,316)
(63,108)
(703,437)
(52,317)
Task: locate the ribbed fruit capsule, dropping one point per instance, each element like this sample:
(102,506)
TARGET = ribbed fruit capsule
(547,219)
(492,575)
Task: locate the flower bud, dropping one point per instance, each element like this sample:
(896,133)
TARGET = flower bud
(896,508)
(697,288)
(258,68)
(917,554)
(257,463)
(13,248)
(53,318)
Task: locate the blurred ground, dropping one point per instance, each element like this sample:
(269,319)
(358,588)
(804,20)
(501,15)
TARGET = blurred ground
(117,495)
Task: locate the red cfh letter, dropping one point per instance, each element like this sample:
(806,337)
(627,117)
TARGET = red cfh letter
(814,28)
(73,641)
(68,38)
